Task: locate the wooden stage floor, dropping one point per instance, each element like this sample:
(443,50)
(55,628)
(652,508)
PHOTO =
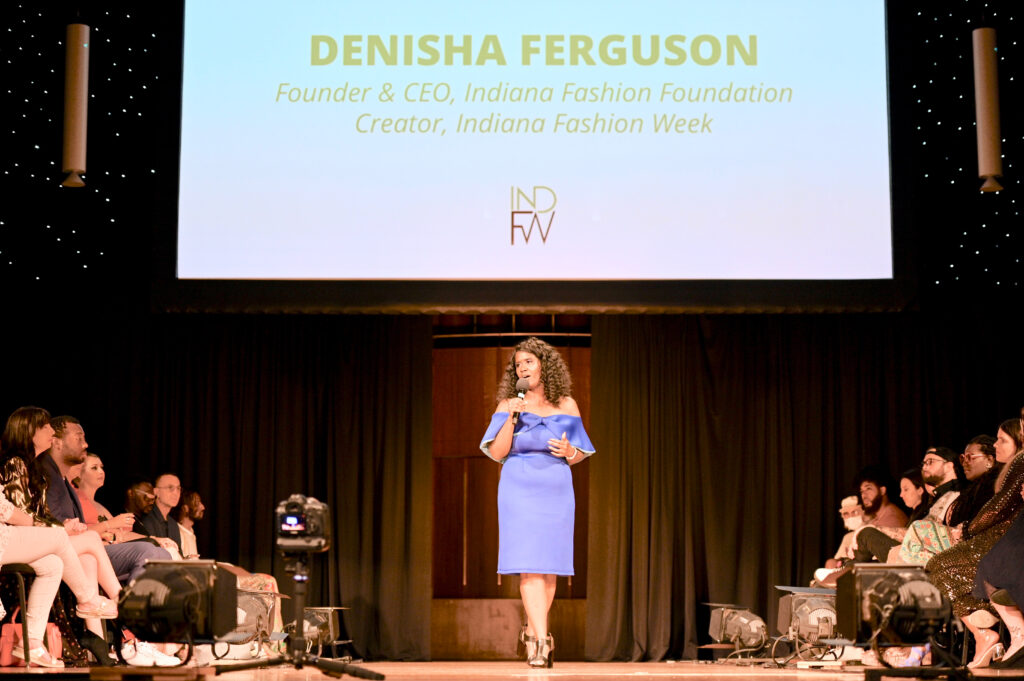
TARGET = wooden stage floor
(483,671)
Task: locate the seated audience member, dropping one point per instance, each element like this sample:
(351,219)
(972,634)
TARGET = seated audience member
(852,515)
(981,470)
(158,522)
(941,468)
(139,500)
(87,482)
(953,571)
(927,533)
(1000,580)
(68,450)
(192,509)
(874,497)
(186,514)
(49,552)
(26,435)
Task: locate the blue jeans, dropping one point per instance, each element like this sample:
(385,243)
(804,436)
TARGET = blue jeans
(130,558)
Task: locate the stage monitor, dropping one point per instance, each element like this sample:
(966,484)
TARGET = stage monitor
(448,144)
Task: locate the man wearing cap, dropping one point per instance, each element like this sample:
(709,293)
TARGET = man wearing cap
(939,469)
(852,514)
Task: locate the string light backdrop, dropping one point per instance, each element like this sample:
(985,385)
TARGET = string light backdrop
(51,234)
(969,242)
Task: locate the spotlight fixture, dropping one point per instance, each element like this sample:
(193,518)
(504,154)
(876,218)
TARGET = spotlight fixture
(890,604)
(180,601)
(732,624)
(808,615)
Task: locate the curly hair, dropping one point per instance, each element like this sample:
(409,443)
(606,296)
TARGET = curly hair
(554,373)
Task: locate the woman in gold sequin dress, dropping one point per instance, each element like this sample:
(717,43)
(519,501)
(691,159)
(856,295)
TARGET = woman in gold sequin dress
(953,570)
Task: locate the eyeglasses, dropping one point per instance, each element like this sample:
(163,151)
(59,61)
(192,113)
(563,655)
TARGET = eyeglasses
(929,462)
(972,457)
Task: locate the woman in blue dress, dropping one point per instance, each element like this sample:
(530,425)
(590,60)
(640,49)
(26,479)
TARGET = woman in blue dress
(537,434)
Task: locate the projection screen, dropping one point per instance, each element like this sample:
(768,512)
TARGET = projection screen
(566,141)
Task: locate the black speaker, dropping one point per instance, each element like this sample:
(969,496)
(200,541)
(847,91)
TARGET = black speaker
(175,600)
(897,601)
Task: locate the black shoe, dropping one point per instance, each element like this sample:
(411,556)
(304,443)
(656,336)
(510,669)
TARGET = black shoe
(98,647)
(1002,597)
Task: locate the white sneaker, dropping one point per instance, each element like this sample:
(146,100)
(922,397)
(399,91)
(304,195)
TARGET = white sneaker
(821,573)
(142,654)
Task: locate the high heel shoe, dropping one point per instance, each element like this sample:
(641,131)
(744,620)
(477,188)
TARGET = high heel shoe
(982,619)
(1013,661)
(1002,597)
(528,643)
(985,659)
(545,656)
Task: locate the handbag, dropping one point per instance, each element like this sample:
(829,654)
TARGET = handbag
(923,540)
(10,637)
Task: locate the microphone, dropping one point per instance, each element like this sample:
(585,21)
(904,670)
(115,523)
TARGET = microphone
(522,385)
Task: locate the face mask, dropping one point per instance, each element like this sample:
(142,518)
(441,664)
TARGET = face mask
(853,522)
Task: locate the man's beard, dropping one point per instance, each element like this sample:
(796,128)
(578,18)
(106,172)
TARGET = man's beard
(74,459)
(935,480)
(875,505)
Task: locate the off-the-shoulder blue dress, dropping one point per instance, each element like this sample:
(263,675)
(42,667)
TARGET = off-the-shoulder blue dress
(536,504)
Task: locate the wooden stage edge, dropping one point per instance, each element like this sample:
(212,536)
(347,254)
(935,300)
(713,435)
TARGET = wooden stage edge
(483,671)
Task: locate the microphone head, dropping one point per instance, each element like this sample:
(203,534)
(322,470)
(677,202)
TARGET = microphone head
(522,385)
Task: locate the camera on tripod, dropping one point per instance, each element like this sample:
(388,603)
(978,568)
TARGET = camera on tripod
(303,525)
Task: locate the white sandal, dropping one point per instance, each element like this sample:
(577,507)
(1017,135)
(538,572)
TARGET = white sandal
(38,656)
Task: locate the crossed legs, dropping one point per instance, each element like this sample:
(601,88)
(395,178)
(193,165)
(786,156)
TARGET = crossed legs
(49,552)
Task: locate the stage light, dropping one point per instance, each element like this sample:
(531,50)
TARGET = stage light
(181,601)
(76,103)
(807,616)
(891,604)
(986,105)
(737,625)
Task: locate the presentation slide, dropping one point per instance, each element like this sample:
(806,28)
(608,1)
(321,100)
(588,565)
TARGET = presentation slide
(442,140)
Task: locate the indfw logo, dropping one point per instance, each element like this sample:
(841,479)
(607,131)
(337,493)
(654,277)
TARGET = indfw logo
(529,209)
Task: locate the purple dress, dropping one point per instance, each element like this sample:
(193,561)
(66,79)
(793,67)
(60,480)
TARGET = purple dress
(536,504)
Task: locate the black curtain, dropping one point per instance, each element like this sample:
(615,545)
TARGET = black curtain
(726,442)
(248,410)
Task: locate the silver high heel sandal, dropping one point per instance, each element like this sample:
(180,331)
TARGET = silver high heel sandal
(545,655)
(528,643)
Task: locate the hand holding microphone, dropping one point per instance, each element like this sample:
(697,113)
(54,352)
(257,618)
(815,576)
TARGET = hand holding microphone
(522,385)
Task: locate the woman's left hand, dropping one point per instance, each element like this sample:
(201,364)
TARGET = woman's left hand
(561,448)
